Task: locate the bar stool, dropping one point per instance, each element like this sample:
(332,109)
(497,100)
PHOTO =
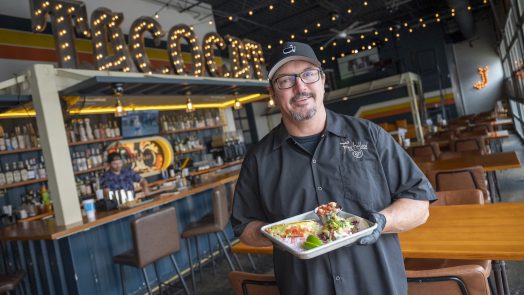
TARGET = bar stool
(152,240)
(209,224)
(9,282)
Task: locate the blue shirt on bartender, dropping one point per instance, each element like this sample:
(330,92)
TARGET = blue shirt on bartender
(124,180)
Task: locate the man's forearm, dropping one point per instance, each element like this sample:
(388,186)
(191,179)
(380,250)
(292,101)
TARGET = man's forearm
(252,236)
(405,214)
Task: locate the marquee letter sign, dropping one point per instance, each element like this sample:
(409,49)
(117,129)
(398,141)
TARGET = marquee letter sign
(483,72)
(111,53)
(64,15)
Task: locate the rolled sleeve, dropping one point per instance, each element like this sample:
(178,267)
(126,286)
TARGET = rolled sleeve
(405,179)
(246,204)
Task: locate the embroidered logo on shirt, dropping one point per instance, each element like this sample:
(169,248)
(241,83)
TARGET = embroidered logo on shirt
(357,150)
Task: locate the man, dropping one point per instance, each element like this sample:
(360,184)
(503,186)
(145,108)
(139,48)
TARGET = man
(316,156)
(117,177)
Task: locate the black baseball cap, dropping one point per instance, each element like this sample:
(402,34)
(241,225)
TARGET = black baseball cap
(113,157)
(290,51)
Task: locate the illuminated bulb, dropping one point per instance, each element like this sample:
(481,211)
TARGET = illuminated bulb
(189,106)
(318,25)
(332,58)
(157,16)
(270,103)
(420,20)
(410,30)
(280,41)
(365,3)
(250,12)
(397,35)
(237,104)
(362,36)
(423,25)
(469,7)
(348,40)
(321,48)
(386,39)
(323,61)
(376,33)
(271,7)
(230,18)
(349,10)
(390,28)
(305,31)
(292,36)
(334,43)
(269,46)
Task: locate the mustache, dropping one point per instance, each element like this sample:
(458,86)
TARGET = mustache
(302,95)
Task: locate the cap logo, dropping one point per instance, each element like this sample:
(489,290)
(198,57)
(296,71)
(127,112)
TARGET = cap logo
(289,49)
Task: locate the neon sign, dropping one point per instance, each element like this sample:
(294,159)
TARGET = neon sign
(111,53)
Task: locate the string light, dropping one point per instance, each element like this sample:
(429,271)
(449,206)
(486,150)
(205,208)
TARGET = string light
(334,43)
(321,48)
(189,105)
(271,7)
(305,31)
(365,3)
(349,11)
(292,36)
(250,12)
(269,46)
(318,25)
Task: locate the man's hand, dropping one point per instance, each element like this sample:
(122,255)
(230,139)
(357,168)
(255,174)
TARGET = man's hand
(252,236)
(380,220)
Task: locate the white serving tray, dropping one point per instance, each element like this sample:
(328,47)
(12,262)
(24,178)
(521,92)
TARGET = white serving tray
(365,228)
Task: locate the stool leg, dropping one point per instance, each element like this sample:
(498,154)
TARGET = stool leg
(199,259)
(123,279)
(180,275)
(212,251)
(252,262)
(235,256)
(191,264)
(225,252)
(147,281)
(158,278)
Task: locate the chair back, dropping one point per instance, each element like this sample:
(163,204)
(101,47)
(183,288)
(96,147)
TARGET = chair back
(456,280)
(155,236)
(430,151)
(469,144)
(245,283)
(459,197)
(220,206)
(457,179)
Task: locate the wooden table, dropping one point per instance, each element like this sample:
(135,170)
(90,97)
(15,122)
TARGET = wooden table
(486,232)
(490,162)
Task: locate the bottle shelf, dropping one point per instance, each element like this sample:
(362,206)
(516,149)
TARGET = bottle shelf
(225,165)
(23,183)
(190,151)
(191,129)
(101,167)
(35,149)
(102,140)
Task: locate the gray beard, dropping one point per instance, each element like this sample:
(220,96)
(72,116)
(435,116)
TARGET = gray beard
(305,113)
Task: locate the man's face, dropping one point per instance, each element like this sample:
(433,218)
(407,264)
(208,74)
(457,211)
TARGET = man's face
(116,165)
(302,101)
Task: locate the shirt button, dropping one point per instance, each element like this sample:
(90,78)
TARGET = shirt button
(337,278)
(319,188)
(314,161)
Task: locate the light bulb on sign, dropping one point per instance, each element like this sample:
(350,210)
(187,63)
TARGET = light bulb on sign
(238,104)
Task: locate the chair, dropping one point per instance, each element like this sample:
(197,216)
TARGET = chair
(469,144)
(244,283)
(430,151)
(152,240)
(449,276)
(459,197)
(9,282)
(209,224)
(457,179)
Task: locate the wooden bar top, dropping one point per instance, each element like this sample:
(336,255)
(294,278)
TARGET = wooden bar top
(490,162)
(49,230)
(489,231)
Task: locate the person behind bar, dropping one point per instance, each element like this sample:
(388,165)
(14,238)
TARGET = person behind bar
(316,156)
(117,177)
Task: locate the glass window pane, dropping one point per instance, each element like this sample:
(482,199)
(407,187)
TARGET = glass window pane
(245,124)
(247,137)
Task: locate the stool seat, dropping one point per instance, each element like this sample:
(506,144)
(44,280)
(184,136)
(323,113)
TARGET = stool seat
(9,282)
(203,226)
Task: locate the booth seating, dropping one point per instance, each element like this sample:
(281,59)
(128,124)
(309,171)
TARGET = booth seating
(450,276)
(469,144)
(459,179)
(151,242)
(244,283)
(426,152)
(211,224)
(10,282)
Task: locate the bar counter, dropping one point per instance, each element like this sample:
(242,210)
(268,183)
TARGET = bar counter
(48,230)
(77,259)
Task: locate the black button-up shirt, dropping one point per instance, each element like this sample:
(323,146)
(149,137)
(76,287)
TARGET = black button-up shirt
(356,164)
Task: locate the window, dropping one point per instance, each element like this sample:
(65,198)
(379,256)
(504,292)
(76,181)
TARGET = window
(244,120)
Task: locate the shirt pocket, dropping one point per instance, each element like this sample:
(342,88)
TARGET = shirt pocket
(360,177)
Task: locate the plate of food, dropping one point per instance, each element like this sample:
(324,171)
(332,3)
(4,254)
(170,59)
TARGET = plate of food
(318,231)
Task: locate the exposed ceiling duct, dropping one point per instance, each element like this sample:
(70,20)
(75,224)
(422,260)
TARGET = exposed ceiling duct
(463,17)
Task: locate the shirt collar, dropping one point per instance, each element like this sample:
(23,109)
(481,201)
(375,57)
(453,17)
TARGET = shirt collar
(334,125)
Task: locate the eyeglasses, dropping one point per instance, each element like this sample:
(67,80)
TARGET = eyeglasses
(308,77)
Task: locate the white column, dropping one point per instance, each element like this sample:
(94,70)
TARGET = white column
(55,148)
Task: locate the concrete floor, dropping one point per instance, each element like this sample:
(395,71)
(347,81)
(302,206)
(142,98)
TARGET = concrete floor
(512,190)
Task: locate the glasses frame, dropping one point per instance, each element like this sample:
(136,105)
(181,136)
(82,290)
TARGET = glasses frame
(299,75)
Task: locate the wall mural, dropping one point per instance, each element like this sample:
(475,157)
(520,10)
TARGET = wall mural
(146,156)
(112,53)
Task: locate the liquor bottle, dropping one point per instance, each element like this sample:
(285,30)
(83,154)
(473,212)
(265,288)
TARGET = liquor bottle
(96,132)
(89,188)
(27,139)
(14,142)
(8,174)
(2,177)
(16,173)
(41,168)
(19,138)
(102,131)
(89,159)
(109,131)
(116,129)
(2,139)
(32,136)
(30,171)
(23,171)
(89,130)
(82,131)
